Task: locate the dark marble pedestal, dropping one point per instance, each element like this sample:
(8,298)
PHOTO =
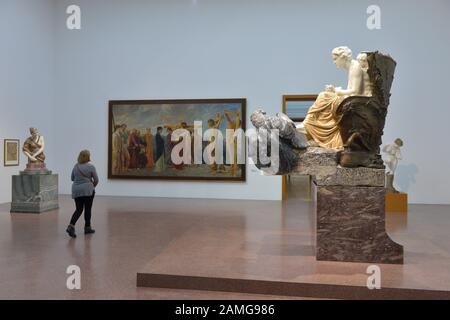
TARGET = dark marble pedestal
(350,211)
(350,226)
(34,192)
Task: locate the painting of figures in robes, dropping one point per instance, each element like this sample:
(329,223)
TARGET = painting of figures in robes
(177,139)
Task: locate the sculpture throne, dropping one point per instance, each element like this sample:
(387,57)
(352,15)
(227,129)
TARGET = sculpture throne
(362,118)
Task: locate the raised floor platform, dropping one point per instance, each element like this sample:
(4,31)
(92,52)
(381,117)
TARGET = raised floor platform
(273,253)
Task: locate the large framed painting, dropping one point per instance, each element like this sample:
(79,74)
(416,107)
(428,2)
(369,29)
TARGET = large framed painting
(145,141)
(11,152)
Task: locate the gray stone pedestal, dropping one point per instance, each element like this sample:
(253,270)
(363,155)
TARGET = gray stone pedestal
(350,211)
(34,193)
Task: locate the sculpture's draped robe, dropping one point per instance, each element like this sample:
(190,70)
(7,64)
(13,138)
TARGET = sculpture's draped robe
(321,122)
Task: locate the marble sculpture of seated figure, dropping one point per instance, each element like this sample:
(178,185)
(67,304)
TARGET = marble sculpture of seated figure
(321,121)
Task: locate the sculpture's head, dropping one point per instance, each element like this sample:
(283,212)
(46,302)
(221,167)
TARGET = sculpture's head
(399,142)
(258,118)
(342,56)
(362,59)
(34,131)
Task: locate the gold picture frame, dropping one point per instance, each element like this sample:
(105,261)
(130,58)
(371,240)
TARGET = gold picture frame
(11,152)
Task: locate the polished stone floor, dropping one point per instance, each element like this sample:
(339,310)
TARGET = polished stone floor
(270,251)
(35,250)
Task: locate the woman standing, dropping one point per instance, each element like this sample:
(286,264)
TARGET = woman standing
(85,179)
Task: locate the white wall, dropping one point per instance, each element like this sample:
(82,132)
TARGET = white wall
(157,49)
(258,49)
(26,78)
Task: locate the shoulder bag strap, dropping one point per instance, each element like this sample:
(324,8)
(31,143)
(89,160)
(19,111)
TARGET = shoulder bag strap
(84,176)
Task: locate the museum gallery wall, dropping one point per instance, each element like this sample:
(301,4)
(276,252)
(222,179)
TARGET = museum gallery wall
(261,51)
(27,82)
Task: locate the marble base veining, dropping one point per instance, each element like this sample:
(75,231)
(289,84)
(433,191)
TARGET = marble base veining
(34,193)
(350,210)
(350,226)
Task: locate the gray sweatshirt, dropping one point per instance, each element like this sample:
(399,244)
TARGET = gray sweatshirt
(85,179)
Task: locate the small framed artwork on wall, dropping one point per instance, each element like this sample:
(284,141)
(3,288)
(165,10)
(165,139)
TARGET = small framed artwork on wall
(11,152)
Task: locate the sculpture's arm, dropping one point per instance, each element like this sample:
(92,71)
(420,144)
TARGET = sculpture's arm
(32,156)
(355,81)
(41,146)
(29,156)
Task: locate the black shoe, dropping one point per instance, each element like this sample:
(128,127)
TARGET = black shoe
(88,230)
(71,231)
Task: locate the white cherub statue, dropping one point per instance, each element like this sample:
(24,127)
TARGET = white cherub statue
(393,154)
